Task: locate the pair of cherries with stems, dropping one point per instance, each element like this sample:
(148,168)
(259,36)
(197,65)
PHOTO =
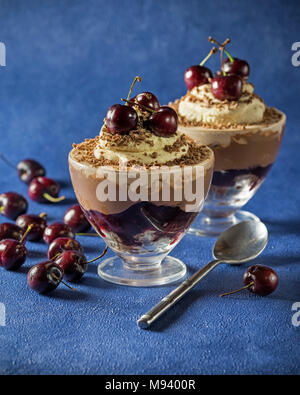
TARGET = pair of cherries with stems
(41,189)
(123,118)
(228,84)
(66,261)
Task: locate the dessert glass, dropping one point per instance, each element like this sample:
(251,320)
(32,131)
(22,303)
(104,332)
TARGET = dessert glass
(244,155)
(141,229)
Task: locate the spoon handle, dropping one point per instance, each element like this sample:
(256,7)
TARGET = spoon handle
(147,319)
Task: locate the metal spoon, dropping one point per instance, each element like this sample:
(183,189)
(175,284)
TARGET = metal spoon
(240,243)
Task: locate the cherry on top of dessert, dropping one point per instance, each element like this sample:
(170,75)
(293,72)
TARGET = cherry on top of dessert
(231,65)
(122,118)
(161,120)
(198,75)
(226,86)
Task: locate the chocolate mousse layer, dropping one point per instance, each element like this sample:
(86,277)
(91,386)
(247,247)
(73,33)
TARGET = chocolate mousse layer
(88,169)
(239,146)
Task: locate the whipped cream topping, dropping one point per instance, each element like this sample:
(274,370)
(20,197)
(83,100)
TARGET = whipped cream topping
(200,105)
(140,146)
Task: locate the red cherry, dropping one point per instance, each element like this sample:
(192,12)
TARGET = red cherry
(238,66)
(62,244)
(196,75)
(261,280)
(28,169)
(163,122)
(10,231)
(44,190)
(13,254)
(227,87)
(147,99)
(73,263)
(121,119)
(75,218)
(38,223)
(44,277)
(12,205)
(55,230)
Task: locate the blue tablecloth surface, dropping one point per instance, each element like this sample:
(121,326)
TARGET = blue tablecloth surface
(67,62)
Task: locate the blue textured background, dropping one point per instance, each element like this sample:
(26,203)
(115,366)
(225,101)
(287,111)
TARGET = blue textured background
(67,62)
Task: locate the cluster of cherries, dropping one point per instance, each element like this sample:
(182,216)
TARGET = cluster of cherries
(123,118)
(65,255)
(40,188)
(228,83)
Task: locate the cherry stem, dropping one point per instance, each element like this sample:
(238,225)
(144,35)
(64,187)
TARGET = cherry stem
(212,52)
(43,215)
(140,105)
(26,233)
(55,256)
(1,209)
(53,199)
(7,161)
(137,78)
(227,41)
(100,256)
(65,284)
(87,234)
(237,290)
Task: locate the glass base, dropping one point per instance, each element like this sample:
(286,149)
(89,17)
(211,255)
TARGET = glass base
(212,227)
(116,271)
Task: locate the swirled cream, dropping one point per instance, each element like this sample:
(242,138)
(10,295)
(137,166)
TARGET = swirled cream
(199,105)
(140,146)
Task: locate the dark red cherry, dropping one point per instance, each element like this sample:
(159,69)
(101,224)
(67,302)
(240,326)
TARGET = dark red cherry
(57,229)
(73,263)
(227,87)
(39,223)
(12,205)
(28,169)
(10,231)
(121,119)
(147,99)
(163,122)
(62,244)
(196,75)
(44,277)
(75,218)
(261,280)
(43,190)
(238,66)
(13,254)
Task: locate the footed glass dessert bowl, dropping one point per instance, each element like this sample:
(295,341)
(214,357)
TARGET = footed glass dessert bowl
(224,113)
(141,190)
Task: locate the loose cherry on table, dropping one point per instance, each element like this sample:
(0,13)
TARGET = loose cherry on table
(198,75)
(56,230)
(227,87)
(13,253)
(45,277)
(12,205)
(122,118)
(38,222)
(75,264)
(10,231)
(44,190)
(75,218)
(27,169)
(62,244)
(258,279)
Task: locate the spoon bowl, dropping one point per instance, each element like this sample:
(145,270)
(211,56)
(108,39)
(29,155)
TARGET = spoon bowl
(241,243)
